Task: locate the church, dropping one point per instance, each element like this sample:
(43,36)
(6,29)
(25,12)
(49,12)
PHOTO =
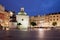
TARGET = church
(22,20)
(8,19)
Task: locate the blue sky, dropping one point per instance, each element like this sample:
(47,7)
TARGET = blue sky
(32,7)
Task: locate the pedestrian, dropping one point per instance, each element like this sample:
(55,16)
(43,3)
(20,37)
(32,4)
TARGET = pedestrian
(1,27)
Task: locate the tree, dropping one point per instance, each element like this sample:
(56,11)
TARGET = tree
(54,23)
(33,23)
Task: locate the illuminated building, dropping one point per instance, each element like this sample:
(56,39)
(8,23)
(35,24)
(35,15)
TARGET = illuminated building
(4,17)
(47,20)
(13,22)
(9,20)
(22,19)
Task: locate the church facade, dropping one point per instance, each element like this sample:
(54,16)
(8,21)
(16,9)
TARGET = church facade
(22,20)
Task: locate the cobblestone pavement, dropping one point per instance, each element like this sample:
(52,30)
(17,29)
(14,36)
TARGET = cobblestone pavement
(30,35)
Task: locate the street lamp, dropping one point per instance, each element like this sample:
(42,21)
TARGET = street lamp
(11,13)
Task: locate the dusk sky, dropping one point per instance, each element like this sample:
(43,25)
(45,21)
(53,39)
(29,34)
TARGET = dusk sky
(32,7)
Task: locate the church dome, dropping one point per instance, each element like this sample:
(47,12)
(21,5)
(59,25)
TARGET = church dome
(22,12)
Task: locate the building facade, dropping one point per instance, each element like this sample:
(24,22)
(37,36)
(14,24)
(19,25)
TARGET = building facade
(7,19)
(13,22)
(4,17)
(22,20)
(48,20)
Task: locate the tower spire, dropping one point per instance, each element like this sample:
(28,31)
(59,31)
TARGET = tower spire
(22,9)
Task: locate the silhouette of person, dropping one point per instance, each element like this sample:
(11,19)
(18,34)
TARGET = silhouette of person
(1,27)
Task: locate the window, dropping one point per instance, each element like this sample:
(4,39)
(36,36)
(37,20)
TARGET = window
(53,19)
(57,19)
(53,16)
(50,19)
(22,19)
(57,16)
(50,16)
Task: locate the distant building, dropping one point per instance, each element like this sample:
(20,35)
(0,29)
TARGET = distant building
(47,20)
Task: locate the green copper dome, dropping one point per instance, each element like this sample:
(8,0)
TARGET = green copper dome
(22,12)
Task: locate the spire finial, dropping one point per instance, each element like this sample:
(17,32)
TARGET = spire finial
(22,9)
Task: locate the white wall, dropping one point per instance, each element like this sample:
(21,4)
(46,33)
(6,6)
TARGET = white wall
(25,22)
